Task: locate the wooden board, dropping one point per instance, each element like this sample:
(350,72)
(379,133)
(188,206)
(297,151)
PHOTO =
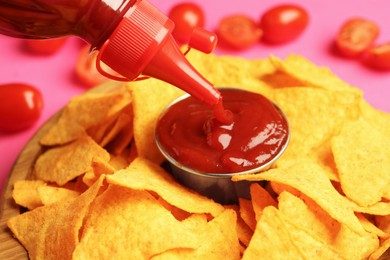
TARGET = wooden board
(10,248)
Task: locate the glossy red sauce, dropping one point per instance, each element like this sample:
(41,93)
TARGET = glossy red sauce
(250,131)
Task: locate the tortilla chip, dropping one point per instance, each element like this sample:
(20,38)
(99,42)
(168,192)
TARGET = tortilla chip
(134,225)
(50,194)
(272,239)
(122,160)
(219,240)
(124,119)
(179,214)
(371,228)
(309,117)
(311,75)
(99,167)
(382,253)
(25,193)
(64,163)
(310,179)
(145,175)
(364,171)
(260,199)
(312,219)
(244,232)
(378,119)
(379,208)
(85,111)
(247,213)
(151,96)
(52,232)
(324,156)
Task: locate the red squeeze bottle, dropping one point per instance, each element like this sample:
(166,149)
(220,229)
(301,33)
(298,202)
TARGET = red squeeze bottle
(132,37)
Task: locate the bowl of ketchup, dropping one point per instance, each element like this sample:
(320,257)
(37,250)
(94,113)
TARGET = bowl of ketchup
(204,149)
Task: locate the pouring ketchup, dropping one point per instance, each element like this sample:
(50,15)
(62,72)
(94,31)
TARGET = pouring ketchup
(249,132)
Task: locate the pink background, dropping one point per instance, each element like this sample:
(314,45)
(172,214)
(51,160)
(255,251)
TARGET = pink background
(54,75)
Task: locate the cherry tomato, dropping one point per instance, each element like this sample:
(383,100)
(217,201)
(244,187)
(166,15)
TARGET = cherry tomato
(86,70)
(186,17)
(356,36)
(238,31)
(378,57)
(45,47)
(283,23)
(20,106)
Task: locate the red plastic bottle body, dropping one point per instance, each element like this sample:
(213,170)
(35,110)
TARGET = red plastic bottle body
(92,20)
(132,37)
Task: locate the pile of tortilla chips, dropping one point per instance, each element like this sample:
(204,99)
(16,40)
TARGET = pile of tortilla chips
(100,193)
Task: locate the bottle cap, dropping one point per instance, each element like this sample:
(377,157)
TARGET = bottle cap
(142,43)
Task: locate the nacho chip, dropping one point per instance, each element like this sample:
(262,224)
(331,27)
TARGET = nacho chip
(50,194)
(179,214)
(150,98)
(25,193)
(371,228)
(134,225)
(219,240)
(227,71)
(312,219)
(324,156)
(312,75)
(52,232)
(244,232)
(64,163)
(272,239)
(364,171)
(122,160)
(123,123)
(310,179)
(260,199)
(382,253)
(313,117)
(247,213)
(379,208)
(145,175)
(98,167)
(378,119)
(83,112)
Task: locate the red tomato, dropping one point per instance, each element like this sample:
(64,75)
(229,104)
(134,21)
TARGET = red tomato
(238,31)
(356,36)
(20,106)
(283,23)
(186,17)
(378,57)
(86,70)
(45,47)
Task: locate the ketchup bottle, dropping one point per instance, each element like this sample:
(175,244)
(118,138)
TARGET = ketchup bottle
(132,37)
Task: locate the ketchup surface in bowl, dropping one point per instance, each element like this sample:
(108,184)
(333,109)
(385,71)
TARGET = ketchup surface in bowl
(190,134)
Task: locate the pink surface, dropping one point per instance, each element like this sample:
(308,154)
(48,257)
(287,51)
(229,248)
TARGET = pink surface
(54,75)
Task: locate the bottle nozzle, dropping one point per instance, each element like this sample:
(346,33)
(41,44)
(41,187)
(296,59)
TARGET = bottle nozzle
(142,43)
(170,65)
